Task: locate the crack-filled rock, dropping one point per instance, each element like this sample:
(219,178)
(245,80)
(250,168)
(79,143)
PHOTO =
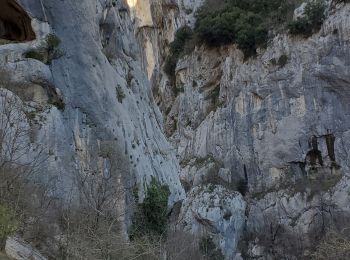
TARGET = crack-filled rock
(282,128)
(278,134)
(90,111)
(214,211)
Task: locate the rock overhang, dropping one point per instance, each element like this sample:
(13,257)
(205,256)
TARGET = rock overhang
(15,22)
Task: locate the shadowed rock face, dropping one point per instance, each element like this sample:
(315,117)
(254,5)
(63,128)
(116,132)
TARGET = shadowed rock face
(15,24)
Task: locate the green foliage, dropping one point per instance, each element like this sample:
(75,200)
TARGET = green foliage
(177,48)
(247,23)
(46,55)
(150,218)
(35,55)
(8,224)
(312,20)
(52,48)
(209,249)
(244,22)
(59,103)
(120,94)
(52,41)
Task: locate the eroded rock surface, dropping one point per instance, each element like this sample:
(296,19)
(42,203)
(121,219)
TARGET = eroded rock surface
(275,127)
(278,122)
(20,250)
(214,210)
(87,98)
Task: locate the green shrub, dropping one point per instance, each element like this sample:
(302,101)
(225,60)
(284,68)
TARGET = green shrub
(312,20)
(150,218)
(8,224)
(120,94)
(46,55)
(52,42)
(35,55)
(177,48)
(59,103)
(244,22)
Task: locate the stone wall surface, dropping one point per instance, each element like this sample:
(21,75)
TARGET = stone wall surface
(278,132)
(91,104)
(280,127)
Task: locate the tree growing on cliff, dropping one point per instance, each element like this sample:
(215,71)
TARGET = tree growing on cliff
(150,218)
(312,20)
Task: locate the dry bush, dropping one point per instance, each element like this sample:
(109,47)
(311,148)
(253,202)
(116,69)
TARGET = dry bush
(20,161)
(88,236)
(335,245)
(93,227)
(181,245)
(19,158)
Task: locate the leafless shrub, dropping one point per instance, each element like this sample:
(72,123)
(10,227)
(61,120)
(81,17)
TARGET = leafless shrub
(181,245)
(19,158)
(335,245)
(93,228)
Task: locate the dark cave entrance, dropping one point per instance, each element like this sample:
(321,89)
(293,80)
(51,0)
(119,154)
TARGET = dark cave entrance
(15,23)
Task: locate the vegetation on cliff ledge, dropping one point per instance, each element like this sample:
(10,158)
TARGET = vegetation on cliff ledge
(151,216)
(247,23)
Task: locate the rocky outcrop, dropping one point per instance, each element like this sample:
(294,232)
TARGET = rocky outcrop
(214,210)
(20,250)
(95,122)
(276,126)
(87,98)
(155,25)
(278,121)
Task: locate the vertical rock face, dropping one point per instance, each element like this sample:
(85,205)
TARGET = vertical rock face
(214,210)
(156,23)
(91,106)
(275,127)
(278,122)
(20,250)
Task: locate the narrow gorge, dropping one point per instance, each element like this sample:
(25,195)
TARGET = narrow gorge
(174,129)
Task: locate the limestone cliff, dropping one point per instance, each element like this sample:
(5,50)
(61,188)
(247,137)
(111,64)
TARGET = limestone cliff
(278,122)
(90,104)
(92,90)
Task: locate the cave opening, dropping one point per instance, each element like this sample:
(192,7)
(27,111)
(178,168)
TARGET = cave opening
(15,23)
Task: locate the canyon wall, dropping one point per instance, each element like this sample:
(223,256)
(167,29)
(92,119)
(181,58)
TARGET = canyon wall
(256,150)
(278,122)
